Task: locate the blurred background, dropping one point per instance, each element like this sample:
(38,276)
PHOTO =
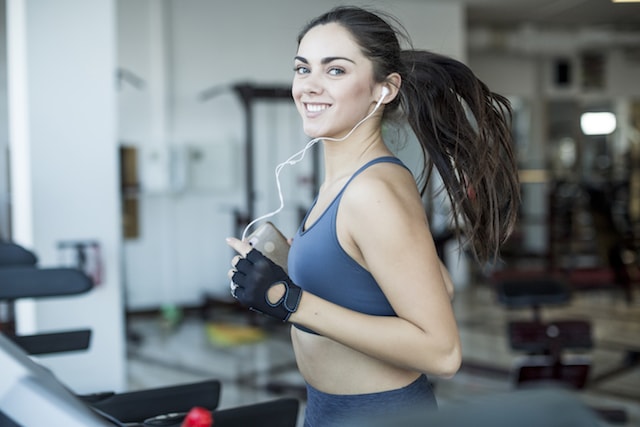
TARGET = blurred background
(135,135)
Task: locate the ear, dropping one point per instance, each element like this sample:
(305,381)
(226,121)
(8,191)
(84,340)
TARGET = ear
(392,84)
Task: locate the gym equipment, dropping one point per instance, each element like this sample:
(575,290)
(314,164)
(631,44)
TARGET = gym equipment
(31,396)
(249,94)
(137,406)
(547,342)
(275,413)
(21,278)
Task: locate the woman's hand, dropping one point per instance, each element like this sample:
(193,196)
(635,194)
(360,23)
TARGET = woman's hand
(260,284)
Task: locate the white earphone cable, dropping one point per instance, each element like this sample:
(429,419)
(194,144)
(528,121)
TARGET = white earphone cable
(297,157)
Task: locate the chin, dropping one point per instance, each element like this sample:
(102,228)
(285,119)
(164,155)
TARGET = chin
(314,132)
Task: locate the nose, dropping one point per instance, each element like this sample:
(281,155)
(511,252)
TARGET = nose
(309,85)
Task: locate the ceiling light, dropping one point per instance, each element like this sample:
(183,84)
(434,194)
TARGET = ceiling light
(598,123)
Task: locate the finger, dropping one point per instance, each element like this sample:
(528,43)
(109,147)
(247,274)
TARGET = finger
(231,272)
(256,256)
(235,260)
(239,246)
(238,293)
(233,288)
(238,278)
(243,265)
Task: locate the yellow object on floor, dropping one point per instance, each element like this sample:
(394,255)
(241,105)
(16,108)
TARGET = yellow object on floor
(227,334)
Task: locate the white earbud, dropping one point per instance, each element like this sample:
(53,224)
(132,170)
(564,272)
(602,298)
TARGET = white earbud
(385,92)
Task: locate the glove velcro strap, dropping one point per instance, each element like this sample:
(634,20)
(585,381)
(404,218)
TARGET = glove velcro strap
(289,301)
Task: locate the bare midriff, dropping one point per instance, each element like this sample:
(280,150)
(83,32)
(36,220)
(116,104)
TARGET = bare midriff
(336,369)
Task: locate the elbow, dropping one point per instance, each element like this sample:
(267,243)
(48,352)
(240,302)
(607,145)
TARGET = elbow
(449,363)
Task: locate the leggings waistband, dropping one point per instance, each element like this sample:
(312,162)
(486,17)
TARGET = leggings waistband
(325,409)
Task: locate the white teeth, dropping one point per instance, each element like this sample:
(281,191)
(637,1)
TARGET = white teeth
(316,107)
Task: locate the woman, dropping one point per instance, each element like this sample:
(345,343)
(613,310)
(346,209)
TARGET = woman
(367,295)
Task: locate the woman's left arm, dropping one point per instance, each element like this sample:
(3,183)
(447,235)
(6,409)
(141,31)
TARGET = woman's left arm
(448,283)
(388,233)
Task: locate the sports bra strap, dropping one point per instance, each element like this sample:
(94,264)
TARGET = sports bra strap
(385,159)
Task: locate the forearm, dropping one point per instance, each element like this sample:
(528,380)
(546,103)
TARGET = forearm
(391,339)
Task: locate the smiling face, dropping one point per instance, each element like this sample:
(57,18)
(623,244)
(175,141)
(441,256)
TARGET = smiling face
(333,86)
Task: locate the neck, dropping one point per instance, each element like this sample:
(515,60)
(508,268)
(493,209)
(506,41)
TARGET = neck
(342,159)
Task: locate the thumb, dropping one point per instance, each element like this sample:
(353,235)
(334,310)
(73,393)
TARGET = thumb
(241,247)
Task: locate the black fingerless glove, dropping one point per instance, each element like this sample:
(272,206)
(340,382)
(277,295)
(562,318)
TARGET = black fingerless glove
(254,276)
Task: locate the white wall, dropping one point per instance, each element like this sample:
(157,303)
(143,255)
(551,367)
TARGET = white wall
(64,164)
(182,48)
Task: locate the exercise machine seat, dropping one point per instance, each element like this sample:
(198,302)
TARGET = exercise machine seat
(12,254)
(20,278)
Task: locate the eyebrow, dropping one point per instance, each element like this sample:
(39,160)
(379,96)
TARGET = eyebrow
(326,60)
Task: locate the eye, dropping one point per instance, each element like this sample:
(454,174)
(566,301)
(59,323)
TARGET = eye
(301,69)
(335,71)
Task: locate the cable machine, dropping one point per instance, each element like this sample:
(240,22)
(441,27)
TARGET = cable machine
(249,94)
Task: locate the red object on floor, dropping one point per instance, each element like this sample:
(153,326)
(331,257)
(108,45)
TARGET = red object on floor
(198,417)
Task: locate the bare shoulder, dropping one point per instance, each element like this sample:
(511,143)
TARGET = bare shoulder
(382,204)
(381,208)
(382,186)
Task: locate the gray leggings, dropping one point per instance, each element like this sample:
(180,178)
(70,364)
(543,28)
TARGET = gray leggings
(324,410)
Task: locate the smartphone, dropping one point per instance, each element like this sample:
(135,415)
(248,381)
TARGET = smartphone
(271,242)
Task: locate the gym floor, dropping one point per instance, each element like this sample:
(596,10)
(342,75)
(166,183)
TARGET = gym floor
(252,356)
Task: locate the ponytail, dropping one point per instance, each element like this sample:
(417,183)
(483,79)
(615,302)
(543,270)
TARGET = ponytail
(464,132)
